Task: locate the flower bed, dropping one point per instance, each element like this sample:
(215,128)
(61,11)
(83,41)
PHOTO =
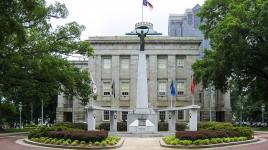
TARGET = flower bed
(172,140)
(88,136)
(110,140)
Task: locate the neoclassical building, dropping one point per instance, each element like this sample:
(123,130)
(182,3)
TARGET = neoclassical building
(115,60)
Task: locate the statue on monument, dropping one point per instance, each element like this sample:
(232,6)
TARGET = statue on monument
(142,35)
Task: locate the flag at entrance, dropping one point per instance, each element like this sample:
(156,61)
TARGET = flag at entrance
(148,4)
(172,89)
(113,89)
(193,85)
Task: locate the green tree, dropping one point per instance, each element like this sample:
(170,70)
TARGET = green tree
(33,54)
(238,33)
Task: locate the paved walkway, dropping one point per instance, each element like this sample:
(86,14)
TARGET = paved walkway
(131,143)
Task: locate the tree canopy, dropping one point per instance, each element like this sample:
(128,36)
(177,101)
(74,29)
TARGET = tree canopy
(33,54)
(238,33)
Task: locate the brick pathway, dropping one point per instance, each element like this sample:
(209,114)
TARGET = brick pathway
(131,143)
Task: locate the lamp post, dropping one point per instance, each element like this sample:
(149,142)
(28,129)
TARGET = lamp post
(262,110)
(20,109)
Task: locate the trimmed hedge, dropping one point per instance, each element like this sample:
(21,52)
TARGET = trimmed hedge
(181,126)
(162,126)
(88,136)
(104,126)
(196,135)
(121,126)
(64,125)
(228,127)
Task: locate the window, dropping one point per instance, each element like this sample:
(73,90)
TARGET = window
(180,62)
(124,88)
(180,114)
(180,88)
(106,63)
(161,88)
(162,63)
(124,63)
(106,88)
(124,115)
(106,115)
(162,116)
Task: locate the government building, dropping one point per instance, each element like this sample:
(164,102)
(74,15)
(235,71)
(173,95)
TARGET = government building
(115,61)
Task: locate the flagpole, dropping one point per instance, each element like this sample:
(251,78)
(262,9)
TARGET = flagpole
(142,11)
(171,101)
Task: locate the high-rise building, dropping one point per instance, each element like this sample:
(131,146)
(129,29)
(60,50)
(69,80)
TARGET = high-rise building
(187,25)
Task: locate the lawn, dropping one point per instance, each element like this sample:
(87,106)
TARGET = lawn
(11,130)
(260,129)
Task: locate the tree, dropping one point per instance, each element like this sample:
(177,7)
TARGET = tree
(33,55)
(238,33)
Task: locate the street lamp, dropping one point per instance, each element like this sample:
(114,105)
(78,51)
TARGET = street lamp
(262,110)
(20,109)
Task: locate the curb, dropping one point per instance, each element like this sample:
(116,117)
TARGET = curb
(11,134)
(118,145)
(163,144)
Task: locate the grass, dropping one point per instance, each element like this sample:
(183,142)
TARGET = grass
(260,129)
(12,130)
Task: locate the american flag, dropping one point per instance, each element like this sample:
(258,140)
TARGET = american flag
(148,4)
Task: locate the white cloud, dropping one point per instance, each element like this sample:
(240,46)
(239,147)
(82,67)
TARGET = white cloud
(116,17)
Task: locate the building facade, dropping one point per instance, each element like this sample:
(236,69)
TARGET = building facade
(185,25)
(116,60)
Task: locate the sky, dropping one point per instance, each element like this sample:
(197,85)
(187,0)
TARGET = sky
(117,17)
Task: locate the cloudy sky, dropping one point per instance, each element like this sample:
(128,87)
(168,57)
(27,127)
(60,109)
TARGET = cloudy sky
(116,17)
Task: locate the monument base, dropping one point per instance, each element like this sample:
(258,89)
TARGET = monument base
(142,121)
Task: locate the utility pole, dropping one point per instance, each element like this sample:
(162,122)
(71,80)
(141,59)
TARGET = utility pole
(20,109)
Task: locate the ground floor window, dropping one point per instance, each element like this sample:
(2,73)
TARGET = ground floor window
(162,116)
(124,115)
(180,114)
(67,116)
(106,115)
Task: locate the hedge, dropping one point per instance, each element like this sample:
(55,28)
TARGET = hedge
(195,135)
(88,136)
(221,126)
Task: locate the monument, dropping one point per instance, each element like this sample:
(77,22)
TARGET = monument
(143,119)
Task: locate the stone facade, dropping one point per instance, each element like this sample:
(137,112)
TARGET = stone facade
(116,59)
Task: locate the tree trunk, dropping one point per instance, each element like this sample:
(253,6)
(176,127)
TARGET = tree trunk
(1,129)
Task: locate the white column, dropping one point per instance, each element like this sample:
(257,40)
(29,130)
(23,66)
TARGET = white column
(91,120)
(193,119)
(171,121)
(113,121)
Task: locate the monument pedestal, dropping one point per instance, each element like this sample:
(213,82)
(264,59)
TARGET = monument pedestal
(142,121)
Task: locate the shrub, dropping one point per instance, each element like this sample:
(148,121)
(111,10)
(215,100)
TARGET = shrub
(204,142)
(226,140)
(214,125)
(37,133)
(219,140)
(103,143)
(162,126)
(185,142)
(83,142)
(213,141)
(181,126)
(75,142)
(121,126)
(195,135)
(244,132)
(97,143)
(104,126)
(79,135)
(197,142)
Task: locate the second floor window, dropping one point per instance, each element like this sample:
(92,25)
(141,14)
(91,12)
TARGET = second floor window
(124,88)
(124,115)
(180,62)
(180,88)
(106,88)
(161,88)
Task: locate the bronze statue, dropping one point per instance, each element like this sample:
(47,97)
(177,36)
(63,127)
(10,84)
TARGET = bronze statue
(142,35)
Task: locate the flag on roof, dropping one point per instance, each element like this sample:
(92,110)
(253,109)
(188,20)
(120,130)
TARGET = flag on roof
(148,4)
